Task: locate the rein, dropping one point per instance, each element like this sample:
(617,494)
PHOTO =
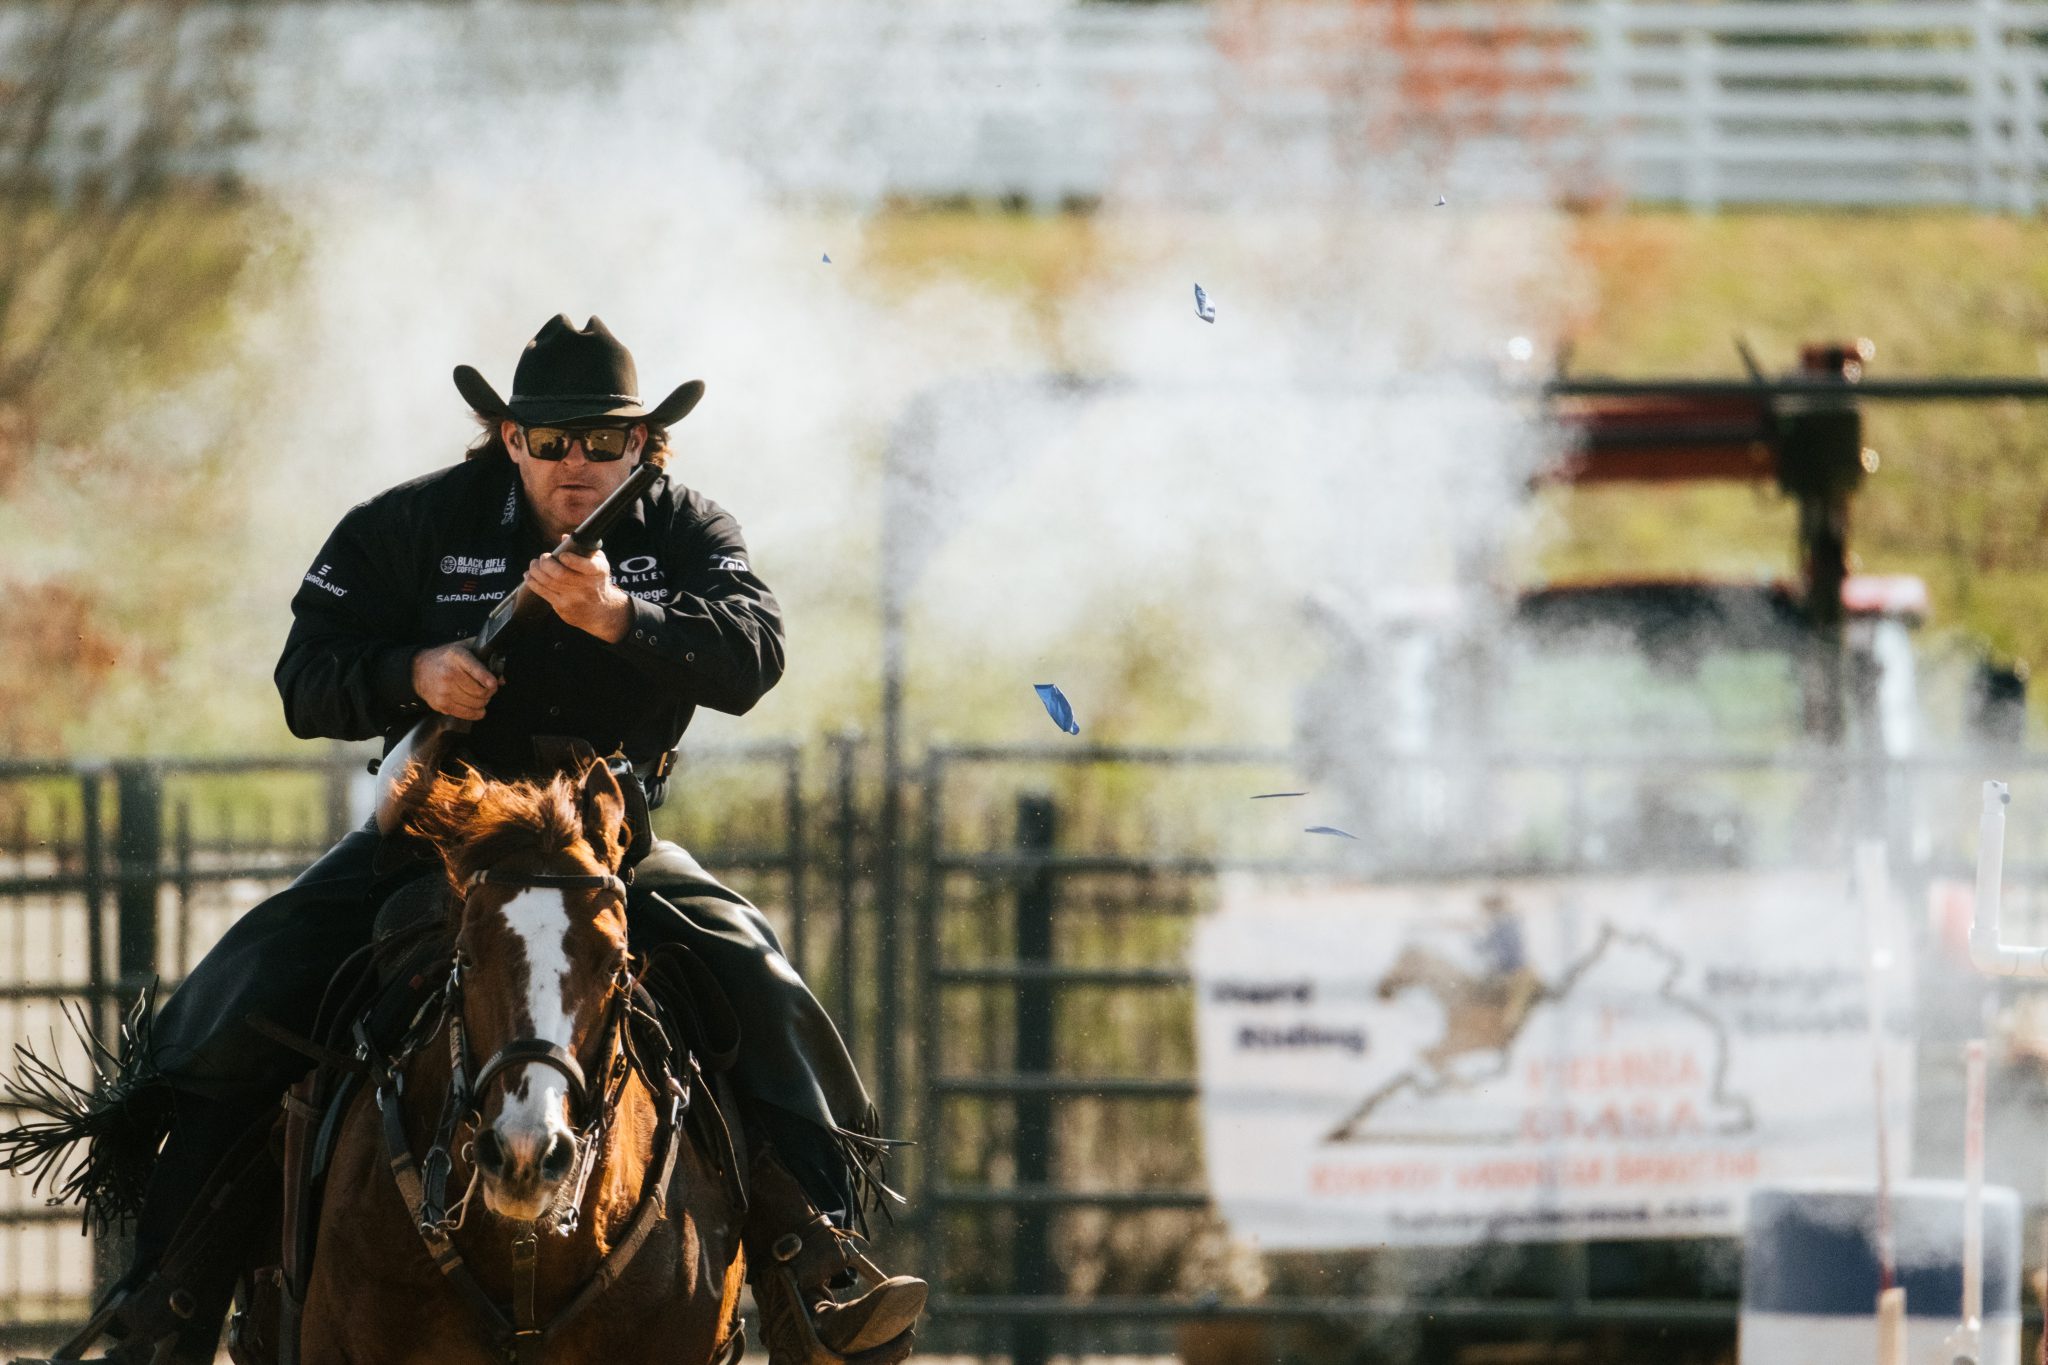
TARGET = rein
(518,1334)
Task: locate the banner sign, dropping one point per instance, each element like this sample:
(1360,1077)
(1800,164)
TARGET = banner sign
(1537,1060)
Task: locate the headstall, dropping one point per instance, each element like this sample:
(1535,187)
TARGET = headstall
(519,1335)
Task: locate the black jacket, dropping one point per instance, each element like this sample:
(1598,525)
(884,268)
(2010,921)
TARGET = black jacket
(421,565)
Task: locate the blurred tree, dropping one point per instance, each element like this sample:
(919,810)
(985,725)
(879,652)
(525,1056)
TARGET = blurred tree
(106,108)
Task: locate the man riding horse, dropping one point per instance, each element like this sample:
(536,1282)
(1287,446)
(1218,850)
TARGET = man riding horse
(668,616)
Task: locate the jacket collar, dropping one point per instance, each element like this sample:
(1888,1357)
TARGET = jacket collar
(510,515)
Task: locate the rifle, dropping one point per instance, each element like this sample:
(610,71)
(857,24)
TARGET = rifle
(416,757)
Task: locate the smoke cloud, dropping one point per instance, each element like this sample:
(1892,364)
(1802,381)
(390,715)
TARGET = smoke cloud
(445,178)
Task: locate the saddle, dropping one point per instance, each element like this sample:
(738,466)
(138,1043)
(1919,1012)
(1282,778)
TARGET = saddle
(386,994)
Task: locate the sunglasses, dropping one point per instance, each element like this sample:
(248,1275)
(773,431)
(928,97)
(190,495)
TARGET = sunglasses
(600,444)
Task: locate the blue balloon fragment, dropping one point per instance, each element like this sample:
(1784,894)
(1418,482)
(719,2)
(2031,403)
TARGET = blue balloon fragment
(1329,829)
(826,257)
(1204,309)
(1057,706)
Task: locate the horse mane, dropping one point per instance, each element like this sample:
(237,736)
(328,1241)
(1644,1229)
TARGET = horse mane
(475,822)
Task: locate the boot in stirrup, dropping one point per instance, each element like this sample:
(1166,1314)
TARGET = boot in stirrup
(794,1254)
(137,1322)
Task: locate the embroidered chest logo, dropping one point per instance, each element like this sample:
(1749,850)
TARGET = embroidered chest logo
(641,576)
(466,564)
(637,569)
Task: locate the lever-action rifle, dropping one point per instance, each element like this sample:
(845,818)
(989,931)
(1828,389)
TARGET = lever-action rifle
(417,757)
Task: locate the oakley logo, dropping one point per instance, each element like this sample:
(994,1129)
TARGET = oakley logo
(637,564)
(466,564)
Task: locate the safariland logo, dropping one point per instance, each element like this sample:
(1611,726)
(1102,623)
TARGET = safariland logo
(465,564)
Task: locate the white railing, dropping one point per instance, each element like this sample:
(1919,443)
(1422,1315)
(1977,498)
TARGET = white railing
(1884,102)
(1877,102)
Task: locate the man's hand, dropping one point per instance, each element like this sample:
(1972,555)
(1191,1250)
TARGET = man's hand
(453,681)
(582,592)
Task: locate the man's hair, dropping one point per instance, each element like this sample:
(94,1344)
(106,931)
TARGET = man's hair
(491,441)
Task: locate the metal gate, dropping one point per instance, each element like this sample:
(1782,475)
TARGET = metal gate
(116,876)
(1061,1187)
(1023,1009)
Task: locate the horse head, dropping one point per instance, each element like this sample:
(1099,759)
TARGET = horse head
(540,967)
(1417,968)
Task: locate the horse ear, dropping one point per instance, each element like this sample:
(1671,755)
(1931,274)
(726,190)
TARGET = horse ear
(604,814)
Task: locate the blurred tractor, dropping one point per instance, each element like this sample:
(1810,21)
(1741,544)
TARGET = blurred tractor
(1607,724)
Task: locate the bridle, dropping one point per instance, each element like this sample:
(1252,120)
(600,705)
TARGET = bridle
(539,1051)
(519,1336)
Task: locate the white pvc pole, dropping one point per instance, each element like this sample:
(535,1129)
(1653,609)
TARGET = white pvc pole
(1965,1345)
(1873,888)
(1891,1326)
(1973,1190)
(1987,952)
(1973,1208)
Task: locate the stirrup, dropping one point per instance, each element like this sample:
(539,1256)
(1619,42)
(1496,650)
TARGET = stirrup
(791,1334)
(906,1291)
(124,1350)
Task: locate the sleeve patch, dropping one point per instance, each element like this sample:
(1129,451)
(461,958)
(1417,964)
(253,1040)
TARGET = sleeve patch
(731,562)
(318,578)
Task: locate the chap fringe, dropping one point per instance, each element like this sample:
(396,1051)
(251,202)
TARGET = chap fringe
(92,1144)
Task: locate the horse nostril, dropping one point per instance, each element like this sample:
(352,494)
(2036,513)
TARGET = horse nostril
(554,1163)
(490,1152)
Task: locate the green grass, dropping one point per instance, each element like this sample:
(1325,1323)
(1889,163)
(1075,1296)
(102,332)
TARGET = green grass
(1961,497)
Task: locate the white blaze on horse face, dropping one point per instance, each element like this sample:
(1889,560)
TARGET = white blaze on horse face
(535,1099)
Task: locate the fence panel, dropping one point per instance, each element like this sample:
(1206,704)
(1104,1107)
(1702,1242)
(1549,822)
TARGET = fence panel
(1884,102)
(1059,1176)
(1047,1022)
(117,876)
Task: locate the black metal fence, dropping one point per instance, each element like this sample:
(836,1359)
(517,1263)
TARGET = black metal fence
(116,876)
(1061,1185)
(1036,1036)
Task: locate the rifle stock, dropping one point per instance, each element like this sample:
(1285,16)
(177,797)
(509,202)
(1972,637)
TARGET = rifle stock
(413,761)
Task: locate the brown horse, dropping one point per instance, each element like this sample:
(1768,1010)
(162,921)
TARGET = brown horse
(580,1222)
(1482,1011)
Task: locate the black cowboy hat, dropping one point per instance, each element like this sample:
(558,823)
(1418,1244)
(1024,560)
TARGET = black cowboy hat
(567,376)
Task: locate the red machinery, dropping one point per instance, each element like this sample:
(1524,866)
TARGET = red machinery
(1804,433)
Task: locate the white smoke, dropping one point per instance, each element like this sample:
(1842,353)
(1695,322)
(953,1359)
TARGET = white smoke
(446,178)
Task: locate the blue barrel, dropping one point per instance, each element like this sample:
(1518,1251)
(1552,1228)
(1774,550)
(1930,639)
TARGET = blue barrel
(1810,1272)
